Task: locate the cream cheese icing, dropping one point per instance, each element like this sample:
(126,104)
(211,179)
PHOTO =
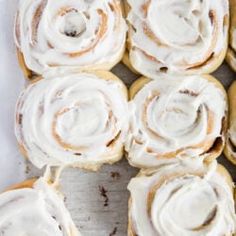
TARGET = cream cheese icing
(82,34)
(76,119)
(182,201)
(177,36)
(36,211)
(175,118)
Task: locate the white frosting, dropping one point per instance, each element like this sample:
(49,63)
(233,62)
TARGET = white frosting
(45,30)
(184,203)
(74,119)
(177,35)
(170,118)
(39,211)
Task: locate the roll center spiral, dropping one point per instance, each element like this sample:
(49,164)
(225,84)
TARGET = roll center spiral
(175,20)
(82,120)
(182,200)
(74,24)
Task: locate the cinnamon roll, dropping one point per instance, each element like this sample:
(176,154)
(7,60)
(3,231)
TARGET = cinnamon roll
(52,34)
(230,147)
(78,120)
(184,37)
(231,54)
(180,200)
(35,208)
(175,119)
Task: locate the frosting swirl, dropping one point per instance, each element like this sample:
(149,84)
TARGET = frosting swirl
(36,211)
(76,119)
(179,200)
(177,36)
(175,118)
(83,34)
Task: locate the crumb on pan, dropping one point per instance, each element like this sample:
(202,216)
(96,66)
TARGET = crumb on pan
(115,175)
(103,193)
(113,232)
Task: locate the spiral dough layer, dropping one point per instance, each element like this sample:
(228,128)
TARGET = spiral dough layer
(178,200)
(36,211)
(177,36)
(176,118)
(57,33)
(75,119)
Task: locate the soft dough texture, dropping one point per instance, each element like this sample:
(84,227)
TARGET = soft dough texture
(77,119)
(182,201)
(174,118)
(57,33)
(230,147)
(36,210)
(185,37)
(231,54)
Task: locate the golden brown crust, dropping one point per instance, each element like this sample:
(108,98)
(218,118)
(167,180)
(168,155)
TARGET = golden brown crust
(26,71)
(231,58)
(125,58)
(137,86)
(230,147)
(23,151)
(220,169)
(232,102)
(225,173)
(127,62)
(217,148)
(32,76)
(25,184)
(231,54)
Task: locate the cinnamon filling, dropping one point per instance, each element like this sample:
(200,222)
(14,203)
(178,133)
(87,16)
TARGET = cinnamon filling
(75,24)
(188,92)
(36,20)
(19,119)
(208,220)
(99,34)
(112,142)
